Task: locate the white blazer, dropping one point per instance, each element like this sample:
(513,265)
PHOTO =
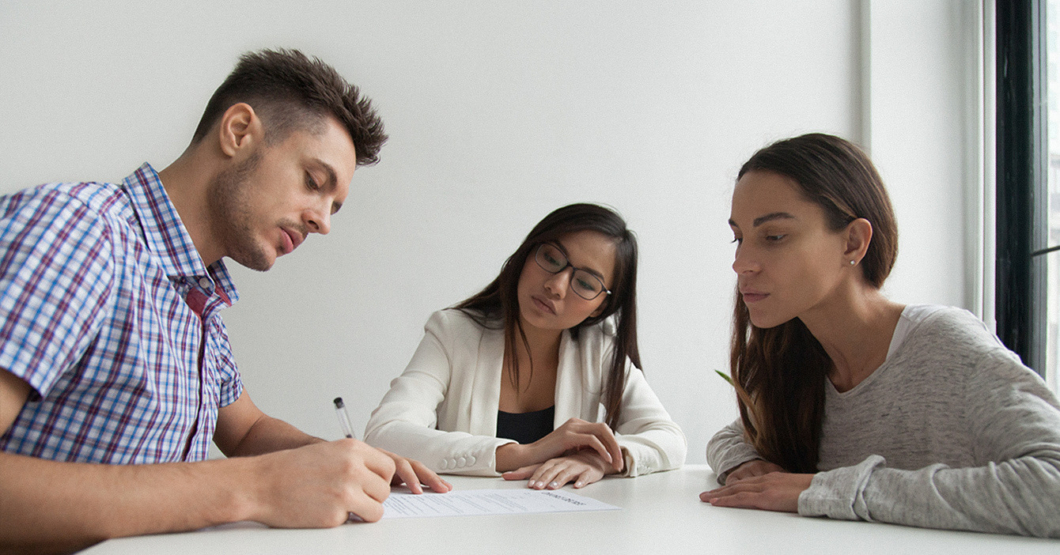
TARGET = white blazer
(442,410)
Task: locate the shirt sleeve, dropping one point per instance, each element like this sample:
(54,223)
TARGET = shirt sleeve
(729,449)
(56,277)
(405,420)
(230,383)
(650,440)
(1015,421)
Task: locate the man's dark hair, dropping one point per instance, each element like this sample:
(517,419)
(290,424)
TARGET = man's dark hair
(290,91)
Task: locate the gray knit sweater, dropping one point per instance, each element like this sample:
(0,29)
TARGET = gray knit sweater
(952,431)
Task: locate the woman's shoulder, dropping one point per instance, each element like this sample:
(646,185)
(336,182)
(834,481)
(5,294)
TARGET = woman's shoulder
(460,330)
(951,324)
(946,333)
(456,320)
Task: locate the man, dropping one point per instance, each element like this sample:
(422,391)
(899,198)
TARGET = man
(112,349)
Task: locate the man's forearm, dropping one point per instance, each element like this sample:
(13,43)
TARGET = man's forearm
(268,435)
(63,506)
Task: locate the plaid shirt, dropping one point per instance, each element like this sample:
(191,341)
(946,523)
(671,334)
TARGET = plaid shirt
(93,281)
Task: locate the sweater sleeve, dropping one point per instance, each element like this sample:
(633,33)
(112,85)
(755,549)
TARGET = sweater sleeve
(650,440)
(729,449)
(1016,490)
(405,420)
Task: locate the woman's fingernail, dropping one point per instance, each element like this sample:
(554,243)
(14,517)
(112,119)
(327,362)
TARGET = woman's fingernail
(553,485)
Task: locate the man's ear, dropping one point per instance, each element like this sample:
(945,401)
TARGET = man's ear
(240,128)
(859,235)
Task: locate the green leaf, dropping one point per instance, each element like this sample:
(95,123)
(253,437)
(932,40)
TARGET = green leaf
(725,377)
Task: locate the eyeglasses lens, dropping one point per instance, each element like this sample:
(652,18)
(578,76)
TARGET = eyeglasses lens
(584,284)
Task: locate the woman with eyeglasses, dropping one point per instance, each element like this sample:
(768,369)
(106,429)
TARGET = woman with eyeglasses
(853,406)
(537,377)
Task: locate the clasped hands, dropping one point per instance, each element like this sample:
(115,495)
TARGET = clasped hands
(759,484)
(578,451)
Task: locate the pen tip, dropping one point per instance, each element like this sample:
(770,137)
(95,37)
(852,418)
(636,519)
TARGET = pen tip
(339,403)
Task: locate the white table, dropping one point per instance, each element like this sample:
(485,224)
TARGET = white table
(661,513)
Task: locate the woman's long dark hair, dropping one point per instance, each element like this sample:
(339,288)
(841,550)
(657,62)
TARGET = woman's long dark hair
(779,372)
(499,301)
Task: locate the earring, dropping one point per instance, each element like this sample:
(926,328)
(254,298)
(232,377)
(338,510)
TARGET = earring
(852,262)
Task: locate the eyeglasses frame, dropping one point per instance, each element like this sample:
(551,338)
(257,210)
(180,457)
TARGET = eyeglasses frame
(566,265)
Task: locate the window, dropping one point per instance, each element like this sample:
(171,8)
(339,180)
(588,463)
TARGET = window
(1028,183)
(1050,251)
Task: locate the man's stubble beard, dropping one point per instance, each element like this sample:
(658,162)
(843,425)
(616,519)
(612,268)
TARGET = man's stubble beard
(230,219)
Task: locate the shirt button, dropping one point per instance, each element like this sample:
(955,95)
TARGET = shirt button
(452,463)
(462,461)
(205,283)
(445,464)
(470,460)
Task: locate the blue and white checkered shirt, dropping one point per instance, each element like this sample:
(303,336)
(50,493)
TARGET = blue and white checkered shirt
(93,281)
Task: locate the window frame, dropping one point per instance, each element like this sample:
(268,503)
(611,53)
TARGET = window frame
(1022,180)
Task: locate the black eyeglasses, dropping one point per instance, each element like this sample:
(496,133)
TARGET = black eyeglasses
(584,283)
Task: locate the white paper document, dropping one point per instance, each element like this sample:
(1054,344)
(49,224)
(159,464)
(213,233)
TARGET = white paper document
(488,502)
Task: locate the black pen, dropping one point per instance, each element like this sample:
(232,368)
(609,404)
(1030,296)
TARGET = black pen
(344,418)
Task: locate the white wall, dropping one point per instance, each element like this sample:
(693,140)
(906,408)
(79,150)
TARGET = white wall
(498,112)
(924,129)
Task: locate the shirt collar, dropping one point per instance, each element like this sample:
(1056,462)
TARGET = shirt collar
(167,238)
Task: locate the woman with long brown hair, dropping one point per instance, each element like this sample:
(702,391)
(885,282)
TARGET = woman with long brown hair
(851,405)
(538,375)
